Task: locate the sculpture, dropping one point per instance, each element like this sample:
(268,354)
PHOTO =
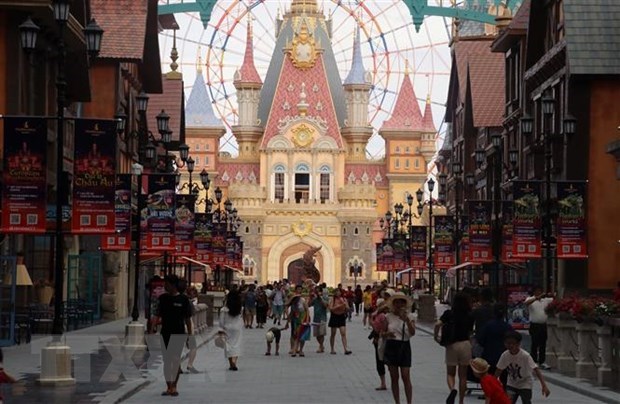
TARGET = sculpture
(309,269)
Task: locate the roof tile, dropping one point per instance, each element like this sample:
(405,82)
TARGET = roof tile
(122,21)
(406,114)
(171,100)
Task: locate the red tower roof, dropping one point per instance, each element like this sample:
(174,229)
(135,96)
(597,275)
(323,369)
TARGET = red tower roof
(247,72)
(406,114)
(427,122)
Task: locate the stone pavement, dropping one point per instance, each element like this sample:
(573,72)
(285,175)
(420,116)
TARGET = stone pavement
(276,379)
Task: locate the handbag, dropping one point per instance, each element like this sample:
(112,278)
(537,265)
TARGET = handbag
(447,336)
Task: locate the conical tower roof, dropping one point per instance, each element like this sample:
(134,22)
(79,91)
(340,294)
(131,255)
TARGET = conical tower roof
(406,114)
(427,122)
(198,111)
(248,74)
(357,74)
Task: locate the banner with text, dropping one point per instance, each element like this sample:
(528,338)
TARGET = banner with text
(464,247)
(121,240)
(379,255)
(418,247)
(571,222)
(527,220)
(24,175)
(93,177)
(399,243)
(184,226)
(480,247)
(161,205)
(508,255)
(444,246)
(202,238)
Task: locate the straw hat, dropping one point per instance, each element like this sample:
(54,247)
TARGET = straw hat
(479,365)
(398,296)
(269,336)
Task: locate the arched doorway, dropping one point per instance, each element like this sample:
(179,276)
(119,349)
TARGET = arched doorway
(295,271)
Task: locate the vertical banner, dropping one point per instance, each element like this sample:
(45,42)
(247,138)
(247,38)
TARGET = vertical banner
(527,220)
(202,238)
(516,311)
(160,205)
(379,254)
(444,245)
(508,255)
(93,176)
(400,251)
(480,246)
(231,255)
(24,175)
(465,255)
(571,222)
(388,256)
(121,240)
(418,247)
(184,225)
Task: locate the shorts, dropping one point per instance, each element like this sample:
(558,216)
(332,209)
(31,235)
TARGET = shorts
(367,309)
(337,320)
(250,310)
(277,334)
(191,342)
(277,309)
(397,353)
(320,329)
(458,353)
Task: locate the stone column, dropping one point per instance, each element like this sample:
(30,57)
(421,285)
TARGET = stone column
(588,351)
(553,342)
(605,374)
(568,342)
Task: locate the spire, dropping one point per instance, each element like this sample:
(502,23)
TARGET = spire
(357,74)
(427,122)
(304,7)
(198,111)
(247,74)
(406,114)
(199,62)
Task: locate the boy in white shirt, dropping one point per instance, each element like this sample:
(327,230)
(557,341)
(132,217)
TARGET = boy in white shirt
(520,366)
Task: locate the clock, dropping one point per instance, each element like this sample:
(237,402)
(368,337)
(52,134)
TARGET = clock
(303,135)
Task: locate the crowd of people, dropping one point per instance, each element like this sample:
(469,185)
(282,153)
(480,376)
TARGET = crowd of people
(479,344)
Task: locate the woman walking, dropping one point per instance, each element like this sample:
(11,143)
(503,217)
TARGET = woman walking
(456,326)
(397,354)
(338,308)
(368,309)
(262,307)
(319,302)
(299,319)
(358,299)
(231,325)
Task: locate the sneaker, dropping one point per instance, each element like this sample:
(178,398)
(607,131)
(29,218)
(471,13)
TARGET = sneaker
(451,397)
(544,366)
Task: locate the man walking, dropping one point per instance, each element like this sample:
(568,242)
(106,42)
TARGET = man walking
(538,325)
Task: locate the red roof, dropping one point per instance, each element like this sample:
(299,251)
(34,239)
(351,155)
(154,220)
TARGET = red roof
(171,100)
(248,73)
(124,23)
(521,19)
(486,78)
(406,114)
(427,123)
(463,51)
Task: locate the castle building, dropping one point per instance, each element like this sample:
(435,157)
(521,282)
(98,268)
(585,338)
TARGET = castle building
(302,178)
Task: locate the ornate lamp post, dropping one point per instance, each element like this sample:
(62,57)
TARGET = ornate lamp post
(419,195)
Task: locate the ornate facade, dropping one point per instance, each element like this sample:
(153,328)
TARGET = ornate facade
(302,178)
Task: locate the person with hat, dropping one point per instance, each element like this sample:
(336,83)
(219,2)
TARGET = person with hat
(397,354)
(493,390)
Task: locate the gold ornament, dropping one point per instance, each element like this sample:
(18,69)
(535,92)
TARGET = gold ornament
(303,135)
(303,52)
(302,228)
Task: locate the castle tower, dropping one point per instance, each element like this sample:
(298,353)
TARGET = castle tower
(248,84)
(357,86)
(429,132)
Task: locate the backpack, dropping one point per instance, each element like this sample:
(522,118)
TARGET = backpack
(447,336)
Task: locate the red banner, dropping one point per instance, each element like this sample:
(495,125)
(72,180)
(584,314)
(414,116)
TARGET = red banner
(444,245)
(526,221)
(480,247)
(508,255)
(121,240)
(93,176)
(379,254)
(24,175)
(571,222)
(184,225)
(160,205)
(203,238)
(418,247)
(464,246)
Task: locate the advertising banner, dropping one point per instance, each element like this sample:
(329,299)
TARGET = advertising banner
(121,240)
(571,222)
(161,205)
(202,238)
(218,245)
(444,246)
(480,246)
(464,247)
(508,255)
(517,313)
(379,254)
(24,175)
(399,243)
(93,177)
(527,220)
(418,247)
(184,226)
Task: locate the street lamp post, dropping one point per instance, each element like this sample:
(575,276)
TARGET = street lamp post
(58,352)
(419,195)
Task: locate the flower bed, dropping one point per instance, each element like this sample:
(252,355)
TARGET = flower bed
(582,308)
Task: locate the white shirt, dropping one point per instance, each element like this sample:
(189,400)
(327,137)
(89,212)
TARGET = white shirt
(519,368)
(395,325)
(537,309)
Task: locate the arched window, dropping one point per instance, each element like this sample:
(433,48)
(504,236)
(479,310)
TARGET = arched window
(279,176)
(302,183)
(248,266)
(325,186)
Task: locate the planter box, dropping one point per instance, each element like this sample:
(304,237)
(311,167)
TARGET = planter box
(554,349)
(587,340)
(569,355)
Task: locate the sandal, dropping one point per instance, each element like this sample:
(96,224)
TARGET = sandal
(165,393)
(174,393)
(348,352)
(320,351)
(333,352)
(380,388)
(301,355)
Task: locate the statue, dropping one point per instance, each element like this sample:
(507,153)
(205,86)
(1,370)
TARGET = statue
(309,269)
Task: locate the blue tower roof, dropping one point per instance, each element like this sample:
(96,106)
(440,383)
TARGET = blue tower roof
(198,111)
(357,74)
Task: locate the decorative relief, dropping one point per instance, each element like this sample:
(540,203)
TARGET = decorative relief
(286,106)
(225,177)
(303,135)
(239,176)
(319,106)
(351,178)
(378,177)
(303,50)
(290,87)
(302,228)
(315,88)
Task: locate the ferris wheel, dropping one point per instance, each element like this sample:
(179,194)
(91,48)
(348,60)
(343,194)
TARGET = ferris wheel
(390,46)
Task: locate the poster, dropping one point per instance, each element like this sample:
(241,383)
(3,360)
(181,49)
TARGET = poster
(24,175)
(418,247)
(160,206)
(527,220)
(94,182)
(121,239)
(464,245)
(203,238)
(516,310)
(507,245)
(571,222)
(480,236)
(184,225)
(443,240)
(379,256)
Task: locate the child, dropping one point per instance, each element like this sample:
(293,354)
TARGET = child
(272,334)
(520,366)
(492,388)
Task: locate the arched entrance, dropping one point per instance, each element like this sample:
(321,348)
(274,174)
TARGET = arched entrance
(295,271)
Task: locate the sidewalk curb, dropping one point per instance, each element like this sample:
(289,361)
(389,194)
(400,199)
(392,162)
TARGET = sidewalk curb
(556,379)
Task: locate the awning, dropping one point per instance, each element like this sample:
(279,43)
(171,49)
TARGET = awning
(404,271)
(452,271)
(207,267)
(233,269)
